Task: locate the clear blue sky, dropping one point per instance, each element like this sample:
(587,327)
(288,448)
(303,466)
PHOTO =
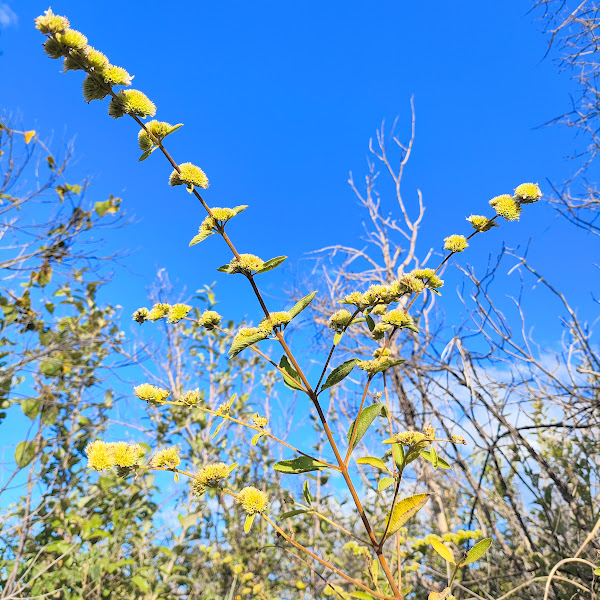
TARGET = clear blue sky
(279,101)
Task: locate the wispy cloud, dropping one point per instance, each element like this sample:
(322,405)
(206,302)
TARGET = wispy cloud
(8,16)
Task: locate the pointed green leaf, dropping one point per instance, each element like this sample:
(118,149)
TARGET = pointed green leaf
(306,493)
(337,337)
(398,455)
(361,596)
(373,461)
(441,463)
(173,129)
(200,237)
(242,344)
(248,522)
(367,416)
(238,209)
(290,381)
(340,372)
(403,511)
(147,154)
(303,464)
(385,483)
(24,454)
(31,407)
(443,551)
(223,268)
(370,322)
(217,429)
(271,264)
(301,304)
(293,513)
(477,551)
(255,438)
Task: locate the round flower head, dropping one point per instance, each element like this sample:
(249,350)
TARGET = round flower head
(411,284)
(192,397)
(455,243)
(126,455)
(178,312)
(526,193)
(54,49)
(94,89)
(355,298)
(159,311)
(95,58)
(222,214)
(158,129)
(259,421)
(397,318)
(379,309)
(379,331)
(252,500)
(131,102)
(114,75)
(151,393)
(275,319)
(74,62)
(481,223)
(72,39)
(140,315)
(458,439)
(210,319)
(246,264)
(375,294)
(506,206)
(189,174)
(408,438)
(428,277)
(51,23)
(210,476)
(340,319)
(100,456)
(167,458)
(429,432)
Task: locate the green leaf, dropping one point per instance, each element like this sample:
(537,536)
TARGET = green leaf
(367,416)
(385,483)
(293,513)
(337,337)
(172,129)
(255,438)
(75,188)
(340,372)
(403,510)
(248,522)
(361,596)
(441,463)
(242,344)
(141,582)
(24,454)
(147,154)
(50,368)
(200,237)
(217,429)
(370,322)
(373,461)
(238,209)
(285,364)
(31,407)
(301,304)
(49,415)
(477,551)
(271,264)
(398,455)
(306,493)
(439,595)
(108,206)
(223,268)
(302,464)
(443,551)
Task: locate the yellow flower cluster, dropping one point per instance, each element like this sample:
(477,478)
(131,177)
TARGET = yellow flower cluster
(209,319)
(192,397)
(140,315)
(259,421)
(253,500)
(93,89)
(380,330)
(103,456)
(158,129)
(527,193)
(381,362)
(167,457)
(159,311)
(177,312)
(246,264)
(455,243)
(50,23)
(458,439)
(506,206)
(151,393)
(340,319)
(72,39)
(190,175)
(131,102)
(95,59)
(210,476)
(428,277)
(408,438)
(397,318)
(275,319)
(481,223)
(114,75)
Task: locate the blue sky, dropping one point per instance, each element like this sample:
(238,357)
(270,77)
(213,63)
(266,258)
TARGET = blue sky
(279,101)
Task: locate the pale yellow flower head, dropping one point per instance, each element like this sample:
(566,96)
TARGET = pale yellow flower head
(51,23)
(259,421)
(355,298)
(127,455)
(159,311)
(246,264)
(72,39)
(340,319)
(167,458)
(189,175)
(408,438)
(428,277)
(131,102)
(100,456)
(253,500)
(455,243)
(275,319)
(397,318)
(140,315)
(506,206)
(526,193)
(380,330)
(178,312)
(192,397)
(410,284)
(94,88)
(158,129)
(114,75)
(458,439)
(210,319)
(210,476)
(481,223)
(151,393)
(95,58)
